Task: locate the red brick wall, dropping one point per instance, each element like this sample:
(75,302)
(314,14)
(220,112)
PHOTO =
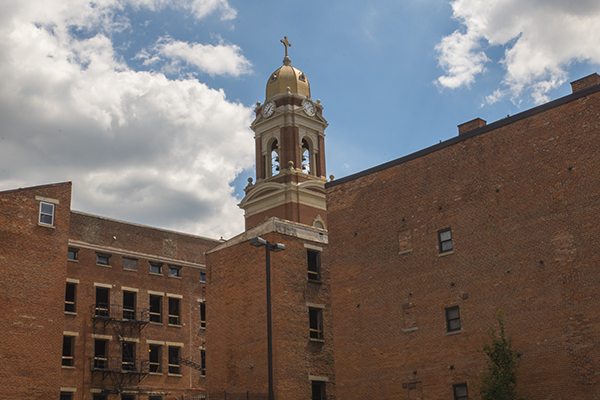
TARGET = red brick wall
(237,329)
(523,203)
(32,278)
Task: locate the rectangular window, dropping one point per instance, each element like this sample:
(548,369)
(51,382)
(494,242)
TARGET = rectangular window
(68,350)
(72,254)
(452,319)
(128,356)
(174,360)
(318,390)
(155,308)
(129,300)
(174,311)
(102,302)
(203,315)
(314,265)
(315,316)
(99,397)
(202,276)
(202,361)
(46,213)
(461,392)
(127,397)
(175,271)
(155,354)
(70,295)
(130,264)
(66,396)
(103,259)
(100,354)
(445,240)
(155,268)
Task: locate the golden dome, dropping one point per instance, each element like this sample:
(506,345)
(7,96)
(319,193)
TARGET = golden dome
(287,76)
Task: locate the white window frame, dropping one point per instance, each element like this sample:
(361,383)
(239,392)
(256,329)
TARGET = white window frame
(42,213)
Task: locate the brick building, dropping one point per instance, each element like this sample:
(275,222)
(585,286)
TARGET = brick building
(503,216)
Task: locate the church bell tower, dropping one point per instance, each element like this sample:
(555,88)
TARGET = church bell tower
(290,153)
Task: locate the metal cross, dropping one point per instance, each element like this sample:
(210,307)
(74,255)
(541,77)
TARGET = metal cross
(286,44)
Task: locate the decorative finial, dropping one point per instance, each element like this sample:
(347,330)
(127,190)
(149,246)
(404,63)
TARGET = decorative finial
(290,165)
(286,43)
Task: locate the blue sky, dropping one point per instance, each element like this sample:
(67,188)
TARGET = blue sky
(145,104)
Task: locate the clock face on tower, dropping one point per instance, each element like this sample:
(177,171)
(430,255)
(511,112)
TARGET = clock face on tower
(308,107)
(268,109)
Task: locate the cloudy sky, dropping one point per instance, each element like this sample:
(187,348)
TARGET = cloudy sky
(145,104)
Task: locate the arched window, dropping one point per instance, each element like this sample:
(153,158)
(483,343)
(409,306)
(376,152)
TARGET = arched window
(274,158)
(306,164)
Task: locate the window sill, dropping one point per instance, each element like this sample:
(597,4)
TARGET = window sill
(155,323)
(317,340)
(315,281)
(155,373)
(410,329)
(46,225)
(176,277)
(405,251)
(454,333)
(203,328)
(175,325)
(175,375)
(104,265)
(68,367)
(130,270)
(75,261)
(71,313)
(447,253)
(155,274)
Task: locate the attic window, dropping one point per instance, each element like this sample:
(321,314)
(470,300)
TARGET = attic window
(273,77)
(302,78)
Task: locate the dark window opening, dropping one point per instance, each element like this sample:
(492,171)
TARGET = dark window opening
(72,254)
(70,295)
(130,264)
(102,259)
(174,271)
(155,308)
(102,302)
(129,300)
(445,240)
(155,268)
(453,319)
(305,157)
(174,363)
(461,392)
(155,354)
(128,356)
(203,314)
(174,311)
(66,396)
(127,397)
(314,265)
(67,353)
(275,158)
(315,316)
(202,362)
(100,354)
(318,390)
(202,276)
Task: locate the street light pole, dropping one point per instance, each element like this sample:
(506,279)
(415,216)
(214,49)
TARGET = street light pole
(275,247)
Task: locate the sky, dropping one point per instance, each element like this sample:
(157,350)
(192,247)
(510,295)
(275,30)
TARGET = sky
(145,105)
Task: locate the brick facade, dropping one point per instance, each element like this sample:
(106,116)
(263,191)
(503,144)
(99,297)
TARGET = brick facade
(521,197)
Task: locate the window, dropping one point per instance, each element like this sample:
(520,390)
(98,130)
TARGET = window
(155,354)
(72,254)
(46,213)
(130,264)
(174,311)
(99,397)
(274,158)
(102,302)
(452,319)
(174,271)
(314,265)
(202,361)
(155,308)
(445,240)
(174,363)
(127,397)
(129,300)
(202,276)
(70,294)
(461,392)
(155,268)
(103,259)
(318,390)
(100,354)
(128,356)
(315,316)
(66,396)
(203,314)
(68,349)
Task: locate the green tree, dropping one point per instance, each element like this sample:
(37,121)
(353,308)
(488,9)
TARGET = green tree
(499,380)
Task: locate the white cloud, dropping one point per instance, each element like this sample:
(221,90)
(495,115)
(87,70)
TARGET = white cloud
(138,146)
(541,38)
(221,59)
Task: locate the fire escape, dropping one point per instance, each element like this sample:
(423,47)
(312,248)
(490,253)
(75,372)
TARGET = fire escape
(123,373)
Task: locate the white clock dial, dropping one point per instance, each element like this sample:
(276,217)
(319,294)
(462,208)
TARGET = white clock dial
(268,109)
(308,107)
